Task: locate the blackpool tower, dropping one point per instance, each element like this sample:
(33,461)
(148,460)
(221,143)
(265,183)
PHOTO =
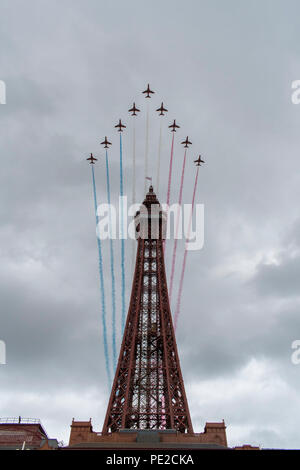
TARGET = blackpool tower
(148,390)
(148,404)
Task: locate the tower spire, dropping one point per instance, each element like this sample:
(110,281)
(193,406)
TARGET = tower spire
(148,390)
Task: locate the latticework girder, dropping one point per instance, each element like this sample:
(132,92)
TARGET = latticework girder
(148,390)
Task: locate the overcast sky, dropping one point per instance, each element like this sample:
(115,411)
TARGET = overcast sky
(224,71)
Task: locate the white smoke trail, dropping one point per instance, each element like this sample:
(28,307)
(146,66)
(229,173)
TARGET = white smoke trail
(133,189)
(146,149)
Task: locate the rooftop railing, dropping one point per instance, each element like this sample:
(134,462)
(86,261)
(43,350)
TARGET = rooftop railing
(19,420)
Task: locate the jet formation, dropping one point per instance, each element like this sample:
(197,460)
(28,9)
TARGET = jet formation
(161,112)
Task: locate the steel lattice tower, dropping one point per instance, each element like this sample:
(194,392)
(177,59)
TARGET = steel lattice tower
(148,390)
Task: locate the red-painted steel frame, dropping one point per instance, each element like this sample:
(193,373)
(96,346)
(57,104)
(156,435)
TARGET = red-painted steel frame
(148,390)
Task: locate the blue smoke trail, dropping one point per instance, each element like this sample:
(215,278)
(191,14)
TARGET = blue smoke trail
(112,271)
(122,237)
(106,354)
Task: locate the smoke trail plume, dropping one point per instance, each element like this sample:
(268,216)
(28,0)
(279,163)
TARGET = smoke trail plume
(176,229)
(112,268)
(177,310)
(169,182)
(122,237)
(170,171)
(158,160)
(102,289)
(133,189)
(146,148)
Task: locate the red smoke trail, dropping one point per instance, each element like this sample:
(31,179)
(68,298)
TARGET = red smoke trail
(158,160)
(169,182)
(177,311)
(176,229)
(170,171)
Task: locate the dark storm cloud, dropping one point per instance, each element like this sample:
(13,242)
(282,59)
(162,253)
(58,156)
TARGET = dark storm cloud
(72,69)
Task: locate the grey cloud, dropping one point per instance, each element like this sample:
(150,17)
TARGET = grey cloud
(279,280)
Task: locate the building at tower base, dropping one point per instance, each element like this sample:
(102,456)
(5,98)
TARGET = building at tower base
(83,437)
